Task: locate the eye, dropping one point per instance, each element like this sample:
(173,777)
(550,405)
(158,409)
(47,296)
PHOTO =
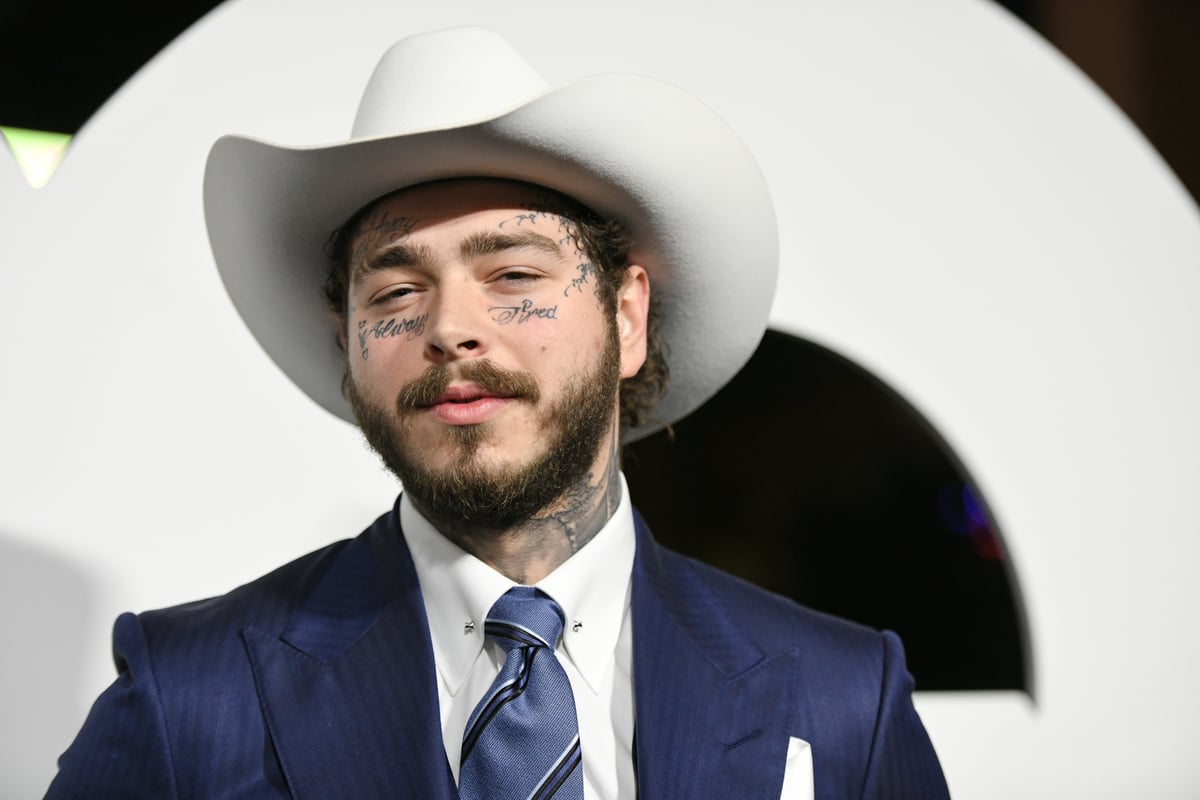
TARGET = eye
(392,294)
(518,276)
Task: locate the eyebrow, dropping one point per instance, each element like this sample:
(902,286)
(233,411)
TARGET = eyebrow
(401,254)
(477,245)
(486,243)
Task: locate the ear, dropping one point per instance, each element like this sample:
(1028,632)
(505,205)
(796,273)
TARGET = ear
(339,325)
(633,307)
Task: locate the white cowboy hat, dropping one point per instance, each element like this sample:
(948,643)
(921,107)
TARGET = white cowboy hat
(463,103)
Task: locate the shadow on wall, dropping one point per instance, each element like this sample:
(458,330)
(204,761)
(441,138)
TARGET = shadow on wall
(812,478)
(45,602)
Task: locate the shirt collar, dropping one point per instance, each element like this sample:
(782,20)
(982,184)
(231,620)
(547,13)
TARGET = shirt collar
(592,587)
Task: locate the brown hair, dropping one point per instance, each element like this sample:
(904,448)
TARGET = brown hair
(606,243)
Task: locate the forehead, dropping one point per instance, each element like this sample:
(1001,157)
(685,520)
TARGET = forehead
(445,201)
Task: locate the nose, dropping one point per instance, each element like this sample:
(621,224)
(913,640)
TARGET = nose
(457,324)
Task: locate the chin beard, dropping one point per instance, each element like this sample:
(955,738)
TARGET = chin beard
(489,496)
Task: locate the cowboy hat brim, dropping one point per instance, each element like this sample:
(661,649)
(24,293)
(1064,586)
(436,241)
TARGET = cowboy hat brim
(628,147)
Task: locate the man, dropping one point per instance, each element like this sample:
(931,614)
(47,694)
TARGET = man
(511,268)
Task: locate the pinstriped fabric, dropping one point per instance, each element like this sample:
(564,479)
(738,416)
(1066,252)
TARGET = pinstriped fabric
(522,741)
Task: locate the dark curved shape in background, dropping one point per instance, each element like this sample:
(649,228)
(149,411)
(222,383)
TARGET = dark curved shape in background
(61,61)
(810,477)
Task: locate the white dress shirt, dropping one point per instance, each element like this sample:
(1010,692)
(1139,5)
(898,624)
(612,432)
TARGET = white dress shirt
(596,649)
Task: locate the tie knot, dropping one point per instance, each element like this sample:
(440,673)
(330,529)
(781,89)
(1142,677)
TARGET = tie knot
(524,617)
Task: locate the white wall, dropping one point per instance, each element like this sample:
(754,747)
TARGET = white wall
(961,212)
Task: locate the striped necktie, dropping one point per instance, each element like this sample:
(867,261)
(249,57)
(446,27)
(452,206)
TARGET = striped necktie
(522,741)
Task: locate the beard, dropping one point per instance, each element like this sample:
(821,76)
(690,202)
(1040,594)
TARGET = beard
(494,496)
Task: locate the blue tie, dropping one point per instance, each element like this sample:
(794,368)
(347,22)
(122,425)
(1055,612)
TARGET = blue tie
(522,741)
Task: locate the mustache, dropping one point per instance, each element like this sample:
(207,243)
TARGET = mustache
(433,382)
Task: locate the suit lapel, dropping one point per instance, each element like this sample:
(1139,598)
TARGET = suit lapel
(349,689)
(713,710)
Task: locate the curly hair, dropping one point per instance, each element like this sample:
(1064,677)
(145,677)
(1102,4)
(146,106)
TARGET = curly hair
(606,243)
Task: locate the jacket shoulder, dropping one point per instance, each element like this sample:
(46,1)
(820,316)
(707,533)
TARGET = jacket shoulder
(266,602)
(772,620)
(183,691)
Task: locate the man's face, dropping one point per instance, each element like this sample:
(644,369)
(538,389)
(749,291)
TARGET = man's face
(483,367)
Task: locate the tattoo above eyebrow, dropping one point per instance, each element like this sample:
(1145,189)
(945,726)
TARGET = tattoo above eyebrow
(485,243)
(401,254)
(377,228)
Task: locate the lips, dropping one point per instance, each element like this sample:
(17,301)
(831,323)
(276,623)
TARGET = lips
(474,387)
(466,394)
(468,405)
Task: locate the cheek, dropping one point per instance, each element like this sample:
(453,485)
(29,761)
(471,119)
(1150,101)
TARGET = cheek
(573,347)
(380,367)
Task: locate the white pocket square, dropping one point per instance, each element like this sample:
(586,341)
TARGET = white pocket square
(798,772)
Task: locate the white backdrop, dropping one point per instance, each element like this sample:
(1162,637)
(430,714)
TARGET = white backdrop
(962,212)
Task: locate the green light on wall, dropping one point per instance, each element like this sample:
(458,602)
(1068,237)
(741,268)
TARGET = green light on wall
(38,153)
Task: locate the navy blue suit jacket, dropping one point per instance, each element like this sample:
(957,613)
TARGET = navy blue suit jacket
(317,681)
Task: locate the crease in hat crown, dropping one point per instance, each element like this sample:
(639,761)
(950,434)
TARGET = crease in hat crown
(423,83)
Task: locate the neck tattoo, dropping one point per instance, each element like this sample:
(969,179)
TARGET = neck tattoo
(529,551)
